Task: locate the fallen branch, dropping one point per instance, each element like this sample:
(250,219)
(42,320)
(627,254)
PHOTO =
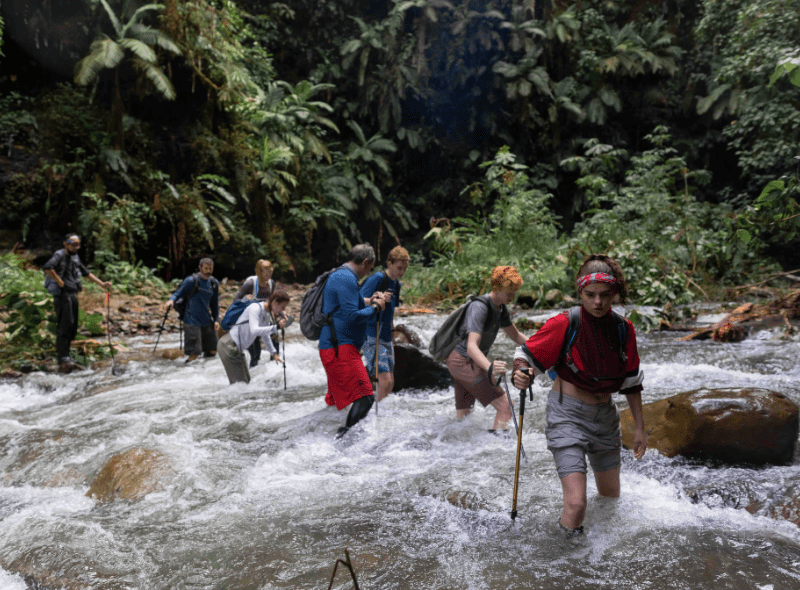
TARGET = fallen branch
(778,275)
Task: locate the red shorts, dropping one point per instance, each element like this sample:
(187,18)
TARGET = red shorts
(347,377)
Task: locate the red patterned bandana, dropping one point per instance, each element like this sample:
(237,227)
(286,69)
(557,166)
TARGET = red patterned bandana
(597,277)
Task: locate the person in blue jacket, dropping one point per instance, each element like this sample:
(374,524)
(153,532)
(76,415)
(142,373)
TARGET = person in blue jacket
(201,318)
(339,344)
(388,283)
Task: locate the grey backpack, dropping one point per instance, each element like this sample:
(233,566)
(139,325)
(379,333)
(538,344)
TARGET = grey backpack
(447,336)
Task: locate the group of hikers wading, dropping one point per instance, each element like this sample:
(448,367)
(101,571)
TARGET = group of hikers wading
(589,351)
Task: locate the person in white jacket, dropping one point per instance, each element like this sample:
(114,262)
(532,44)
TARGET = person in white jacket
(259,319)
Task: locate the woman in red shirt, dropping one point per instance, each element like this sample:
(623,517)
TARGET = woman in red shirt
(582,420)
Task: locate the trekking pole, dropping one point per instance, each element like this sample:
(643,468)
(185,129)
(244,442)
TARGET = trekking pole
(377,353)
(511,405)
(160,330)
(519,449)
(108,332)
(283,340)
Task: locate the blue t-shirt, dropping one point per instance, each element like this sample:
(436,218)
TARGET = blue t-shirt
(203,308)
(350,320)
(371,285)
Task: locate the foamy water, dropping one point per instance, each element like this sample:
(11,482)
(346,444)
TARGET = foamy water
(263,496)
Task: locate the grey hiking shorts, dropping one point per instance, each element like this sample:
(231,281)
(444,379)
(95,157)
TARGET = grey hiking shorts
(576,429)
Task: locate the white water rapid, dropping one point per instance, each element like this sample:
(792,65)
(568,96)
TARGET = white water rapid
(262,496)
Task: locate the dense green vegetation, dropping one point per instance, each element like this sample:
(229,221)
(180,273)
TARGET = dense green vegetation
(474,133)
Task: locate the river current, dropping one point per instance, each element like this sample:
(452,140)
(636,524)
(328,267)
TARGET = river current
(263,497)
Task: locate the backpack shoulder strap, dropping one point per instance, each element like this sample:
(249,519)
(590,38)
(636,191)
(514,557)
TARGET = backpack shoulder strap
(622,331)
(485,300)
(573,328)
(195,285)
(384,282)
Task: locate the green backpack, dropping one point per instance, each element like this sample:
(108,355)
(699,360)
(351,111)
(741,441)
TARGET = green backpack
(447,337)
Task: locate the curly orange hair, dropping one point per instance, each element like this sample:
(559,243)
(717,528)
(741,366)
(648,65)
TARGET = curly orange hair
(397,253)
(504,277)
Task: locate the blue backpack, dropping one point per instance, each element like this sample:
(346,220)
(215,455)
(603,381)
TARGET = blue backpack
(233,312)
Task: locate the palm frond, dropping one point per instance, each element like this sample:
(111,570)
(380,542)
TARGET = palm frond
(157,76)
(105,53)
(135,17)
(154,38)
(113,18)
(202,220)
(139,49)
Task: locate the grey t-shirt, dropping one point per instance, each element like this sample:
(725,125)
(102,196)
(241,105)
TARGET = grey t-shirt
(477,320)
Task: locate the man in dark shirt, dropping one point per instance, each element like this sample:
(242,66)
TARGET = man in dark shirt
(64,271)
(200,291)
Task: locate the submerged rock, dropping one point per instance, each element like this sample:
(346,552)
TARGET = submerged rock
(465,499)
(778,499)
(131,475)
(755,426)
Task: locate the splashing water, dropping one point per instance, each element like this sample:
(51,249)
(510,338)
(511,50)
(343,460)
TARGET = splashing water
(263,497)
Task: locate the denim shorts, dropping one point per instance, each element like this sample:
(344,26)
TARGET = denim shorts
(385,356)
(576,429)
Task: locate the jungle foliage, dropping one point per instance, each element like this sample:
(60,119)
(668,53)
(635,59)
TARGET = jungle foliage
(29,333)
(475,133)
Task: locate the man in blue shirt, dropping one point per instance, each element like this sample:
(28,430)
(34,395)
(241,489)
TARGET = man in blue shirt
(64,271)
(348,382)
(201,317)
(388,283)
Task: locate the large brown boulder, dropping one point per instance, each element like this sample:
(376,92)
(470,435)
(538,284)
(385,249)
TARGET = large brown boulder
(131,475)
(756,426)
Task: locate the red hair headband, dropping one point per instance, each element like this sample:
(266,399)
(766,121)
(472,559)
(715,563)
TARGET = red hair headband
(596,277)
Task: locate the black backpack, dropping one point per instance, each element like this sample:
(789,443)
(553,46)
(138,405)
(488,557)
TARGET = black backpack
(180,304)
(574,314)
(311,317)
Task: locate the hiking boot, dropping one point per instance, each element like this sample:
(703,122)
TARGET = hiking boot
(190,358)
(253,364)
(341,432)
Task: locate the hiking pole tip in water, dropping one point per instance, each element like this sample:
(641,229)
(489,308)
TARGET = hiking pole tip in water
(283,340)
(108,332)
(516,426)
(519,447)
(377,353)
(161,329)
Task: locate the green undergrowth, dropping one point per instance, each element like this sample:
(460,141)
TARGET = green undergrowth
(28,321)
(639,209)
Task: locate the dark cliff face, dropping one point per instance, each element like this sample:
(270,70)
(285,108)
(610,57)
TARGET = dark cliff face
(53,35)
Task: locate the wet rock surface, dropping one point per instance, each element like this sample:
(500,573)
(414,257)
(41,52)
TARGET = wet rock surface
(773,498)
(131,475)
(734,426)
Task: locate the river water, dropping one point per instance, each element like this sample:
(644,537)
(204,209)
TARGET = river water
(263,497)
